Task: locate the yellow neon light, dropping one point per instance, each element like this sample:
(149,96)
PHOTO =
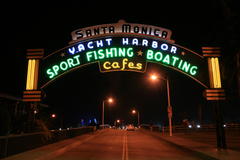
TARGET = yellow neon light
(35,85)
(213,72)
(216,79)
(219,85)
(28,87)
(31,75)
(125,64)
(210,72)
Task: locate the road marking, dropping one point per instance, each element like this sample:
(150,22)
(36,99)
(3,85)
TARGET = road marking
(123,152)
(125,147)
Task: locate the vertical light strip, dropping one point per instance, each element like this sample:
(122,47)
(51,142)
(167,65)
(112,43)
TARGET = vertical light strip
(35,85)
(32,73)
(210,72)
(218,77)
(31,79)
(214,73)
(28,87)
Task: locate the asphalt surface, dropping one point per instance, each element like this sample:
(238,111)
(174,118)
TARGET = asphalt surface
(109,144)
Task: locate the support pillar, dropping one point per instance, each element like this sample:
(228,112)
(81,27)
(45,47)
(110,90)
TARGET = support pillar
(215,94)
(32,93)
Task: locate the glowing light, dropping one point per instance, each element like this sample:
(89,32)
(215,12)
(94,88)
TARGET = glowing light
(216,78)
(80,47)
(153,77)
(32,74)
(53,115)
(109,53)
(63,66)
(121,54)
(173,61)
(125,64)
(189,126)
(29,86)
(110,100)
(134,111)
(149,43)
(198,126)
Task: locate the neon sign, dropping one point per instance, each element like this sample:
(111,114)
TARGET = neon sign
(122,65)
(109,53)
(120,53)
(63,66)
(173,61)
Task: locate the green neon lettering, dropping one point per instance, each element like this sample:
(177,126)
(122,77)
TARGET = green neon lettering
(122,52)
(95,55)
(89,55)
(70,62)
(130,52)
(77,59)
(149,54)
(186,66)
(55,69)
(166,59)
(175,59)
(109,53)
(193,70)
(158,56)
(101,54)
(63,66)
(180,64)
(115,51)
(50,73)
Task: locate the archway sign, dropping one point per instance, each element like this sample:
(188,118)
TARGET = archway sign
(123,46)
(126,46)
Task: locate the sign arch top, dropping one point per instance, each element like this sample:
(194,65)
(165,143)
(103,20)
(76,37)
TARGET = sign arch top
(121,28)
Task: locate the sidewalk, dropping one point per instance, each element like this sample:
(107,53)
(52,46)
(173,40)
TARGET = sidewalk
(53,150)
(201,149)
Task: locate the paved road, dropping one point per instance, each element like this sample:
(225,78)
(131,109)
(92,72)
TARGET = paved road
(109,144)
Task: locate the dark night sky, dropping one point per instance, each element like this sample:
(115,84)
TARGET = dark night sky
(80,93)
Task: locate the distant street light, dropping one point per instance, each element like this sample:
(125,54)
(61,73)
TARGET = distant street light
(134,112)
(154,77)
(109,100)
(53,115)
